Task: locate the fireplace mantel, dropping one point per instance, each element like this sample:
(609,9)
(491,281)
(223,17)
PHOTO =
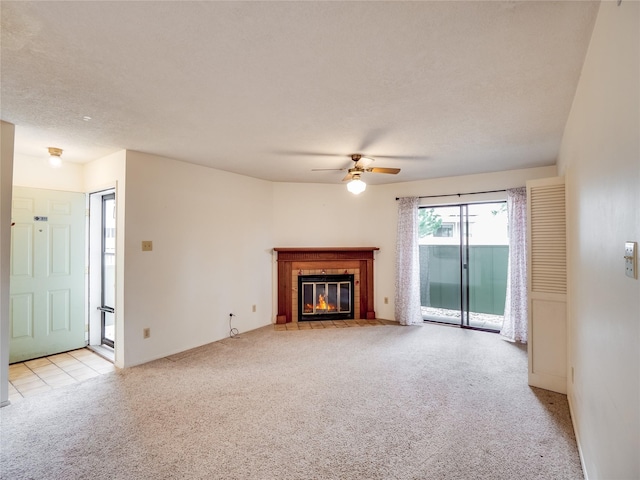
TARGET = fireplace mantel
(291,260)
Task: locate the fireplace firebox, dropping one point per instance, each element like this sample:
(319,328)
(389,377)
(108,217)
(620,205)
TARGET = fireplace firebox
(325,297)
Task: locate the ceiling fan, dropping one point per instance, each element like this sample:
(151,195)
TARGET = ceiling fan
(360,166)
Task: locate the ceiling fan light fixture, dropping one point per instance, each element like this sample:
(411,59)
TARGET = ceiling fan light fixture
(54,157)
(356,186)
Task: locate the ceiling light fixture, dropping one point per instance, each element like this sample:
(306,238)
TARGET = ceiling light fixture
(54,157)
(356,186)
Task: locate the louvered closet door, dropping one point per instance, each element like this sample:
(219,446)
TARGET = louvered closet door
(547,284)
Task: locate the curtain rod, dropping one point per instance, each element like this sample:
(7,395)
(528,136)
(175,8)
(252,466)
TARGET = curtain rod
(458,194)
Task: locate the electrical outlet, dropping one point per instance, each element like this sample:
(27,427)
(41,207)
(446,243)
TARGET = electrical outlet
(147,245)
(253,308)
(146,332)
(386,299)
(631,259)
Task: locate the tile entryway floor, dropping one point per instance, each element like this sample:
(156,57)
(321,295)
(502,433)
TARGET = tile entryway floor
(332,324)
(43,374)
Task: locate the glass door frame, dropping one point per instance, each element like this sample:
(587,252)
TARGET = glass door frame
(464,263)
(105,309)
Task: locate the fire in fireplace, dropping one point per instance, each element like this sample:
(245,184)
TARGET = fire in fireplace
(325,297)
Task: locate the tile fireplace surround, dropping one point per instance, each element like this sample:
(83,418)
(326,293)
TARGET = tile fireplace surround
(324,260)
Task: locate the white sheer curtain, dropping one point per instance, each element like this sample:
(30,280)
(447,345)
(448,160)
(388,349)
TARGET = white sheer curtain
(407,298)
(514,327)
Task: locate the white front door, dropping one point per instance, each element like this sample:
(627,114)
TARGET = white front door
(47,273)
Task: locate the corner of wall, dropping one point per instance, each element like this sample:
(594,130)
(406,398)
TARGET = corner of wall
(599,160)
(7,133)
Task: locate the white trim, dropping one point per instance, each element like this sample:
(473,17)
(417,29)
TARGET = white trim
(577,435)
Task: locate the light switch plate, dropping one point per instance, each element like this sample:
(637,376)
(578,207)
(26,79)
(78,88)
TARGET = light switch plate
(631,259)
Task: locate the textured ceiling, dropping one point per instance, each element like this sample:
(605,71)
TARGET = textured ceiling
(275,89)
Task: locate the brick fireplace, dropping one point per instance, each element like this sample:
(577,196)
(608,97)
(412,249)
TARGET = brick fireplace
(294,262)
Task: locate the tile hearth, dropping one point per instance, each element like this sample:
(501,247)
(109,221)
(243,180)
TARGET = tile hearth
(319,324)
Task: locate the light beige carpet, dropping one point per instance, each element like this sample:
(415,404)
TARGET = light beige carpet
(380,402)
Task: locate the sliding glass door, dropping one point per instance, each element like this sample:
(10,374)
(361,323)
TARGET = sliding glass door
(463,264)
(440,264)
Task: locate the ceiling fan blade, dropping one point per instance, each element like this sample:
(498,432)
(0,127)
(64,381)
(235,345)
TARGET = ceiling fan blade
(348,176)
(306,153)
(364,162)
(383,170)
(328,169)
(371,138)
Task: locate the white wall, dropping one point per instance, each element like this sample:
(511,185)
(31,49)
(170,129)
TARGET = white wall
(35,172)
(7,132)
(105,172)
(311,215)
(212,235)
(600,158)
(321,215)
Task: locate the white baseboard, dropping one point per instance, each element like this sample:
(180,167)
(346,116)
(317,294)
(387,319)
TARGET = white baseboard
(577,435)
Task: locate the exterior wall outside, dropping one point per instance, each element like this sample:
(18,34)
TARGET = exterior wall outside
(440,277)
(600,159)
